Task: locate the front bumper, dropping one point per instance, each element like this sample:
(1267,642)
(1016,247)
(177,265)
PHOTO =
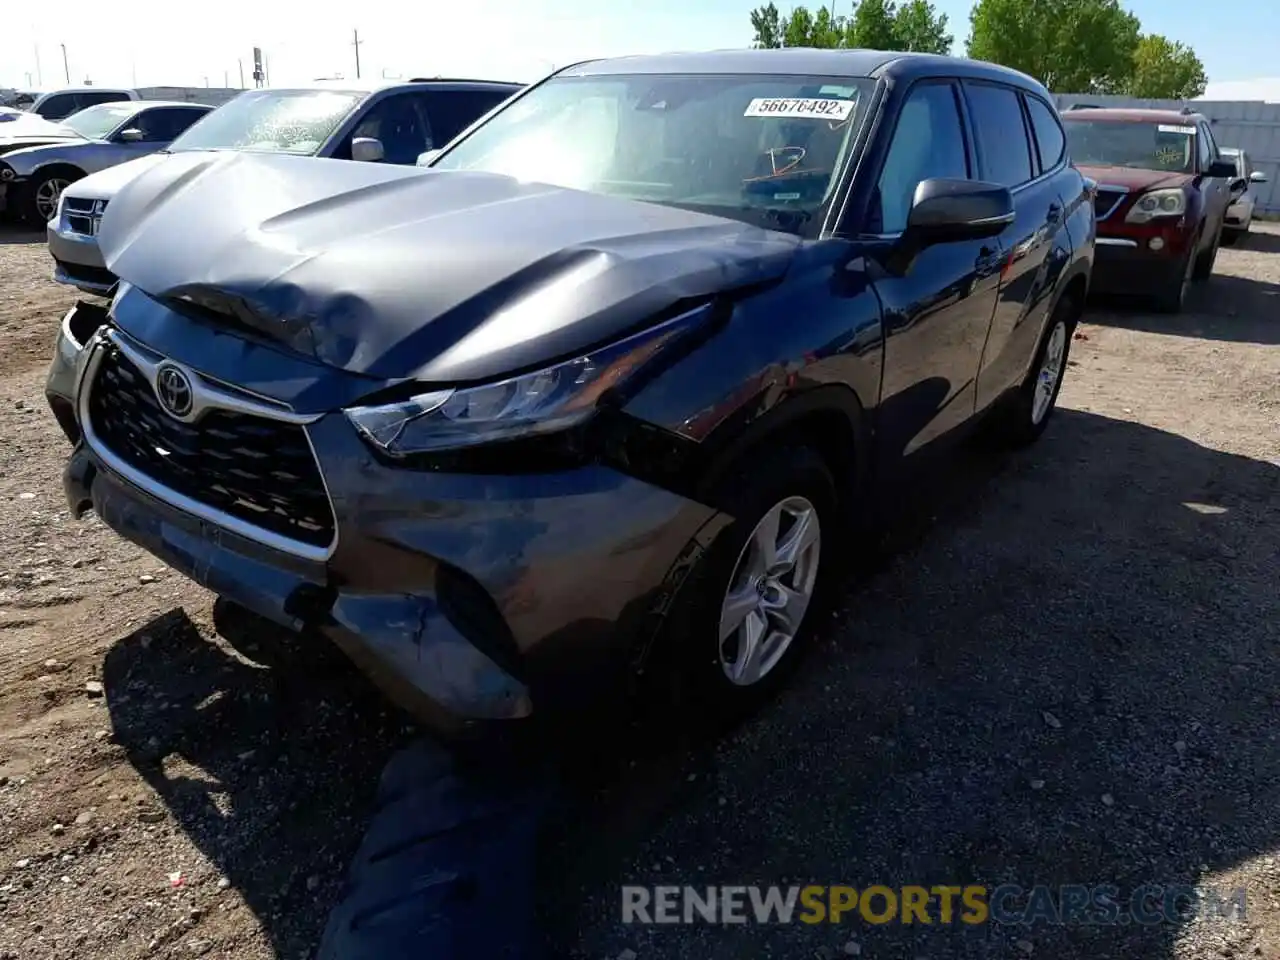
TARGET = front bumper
(466,598)
(78,259)
(1126,265)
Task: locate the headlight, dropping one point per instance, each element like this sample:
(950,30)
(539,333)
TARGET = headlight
(543,401)
(57,214)
(1158,203)
(6,172)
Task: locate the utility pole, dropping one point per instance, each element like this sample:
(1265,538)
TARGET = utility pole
(355,42)
(240,63)
(39,75)
(66,70)
(226,82)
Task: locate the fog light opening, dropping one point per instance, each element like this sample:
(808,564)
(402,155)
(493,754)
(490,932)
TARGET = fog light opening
(1156,243)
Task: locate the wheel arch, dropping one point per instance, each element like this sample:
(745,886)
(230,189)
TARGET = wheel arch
(56,166)
(829,418)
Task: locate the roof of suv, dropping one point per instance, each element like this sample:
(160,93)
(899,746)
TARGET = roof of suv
(364,89)
(803,60)
(1133,114)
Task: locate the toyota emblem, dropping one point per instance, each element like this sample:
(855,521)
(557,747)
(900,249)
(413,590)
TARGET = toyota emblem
(173,388)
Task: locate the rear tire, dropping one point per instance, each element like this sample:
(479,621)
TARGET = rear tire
(1026,414)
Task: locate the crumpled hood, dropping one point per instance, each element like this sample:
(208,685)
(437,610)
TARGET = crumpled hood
(1132,178)
(401,272)
(104,184)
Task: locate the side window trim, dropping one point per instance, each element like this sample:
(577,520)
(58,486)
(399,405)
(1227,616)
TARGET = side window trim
(1027,98)
(1028,142)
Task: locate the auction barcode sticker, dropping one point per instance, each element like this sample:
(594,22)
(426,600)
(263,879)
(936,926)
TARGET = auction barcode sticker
(807,108)
(1174,128)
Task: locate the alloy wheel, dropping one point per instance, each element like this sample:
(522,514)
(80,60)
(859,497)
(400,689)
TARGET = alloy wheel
(771,587)
(48,193)
(1050,371)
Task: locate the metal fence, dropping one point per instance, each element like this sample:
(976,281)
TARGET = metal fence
(1249,125)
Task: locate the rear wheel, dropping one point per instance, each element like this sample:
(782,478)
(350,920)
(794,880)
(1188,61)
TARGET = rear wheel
(1026,413)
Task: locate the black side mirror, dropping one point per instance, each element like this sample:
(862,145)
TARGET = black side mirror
(1221,168)
(945,211)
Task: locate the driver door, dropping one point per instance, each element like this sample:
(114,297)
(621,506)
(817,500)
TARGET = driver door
(937,314)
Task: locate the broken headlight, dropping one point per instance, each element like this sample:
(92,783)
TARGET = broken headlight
(542,401)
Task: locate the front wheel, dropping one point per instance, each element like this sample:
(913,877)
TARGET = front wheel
(753,595)
(1172,298)
(1204,262)
(38,200)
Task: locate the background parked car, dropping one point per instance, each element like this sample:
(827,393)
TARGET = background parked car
(60,104)
(33,178)
(391,123)
(1161,201)
(1244,197)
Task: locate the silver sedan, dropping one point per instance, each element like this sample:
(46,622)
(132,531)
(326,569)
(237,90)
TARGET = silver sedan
(33,178)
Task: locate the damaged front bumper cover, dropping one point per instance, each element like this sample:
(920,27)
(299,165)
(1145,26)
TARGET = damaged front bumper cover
(467,599)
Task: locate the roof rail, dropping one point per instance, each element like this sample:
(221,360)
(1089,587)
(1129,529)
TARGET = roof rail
(457,80)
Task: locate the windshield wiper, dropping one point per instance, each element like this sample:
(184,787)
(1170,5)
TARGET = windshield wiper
(785,218)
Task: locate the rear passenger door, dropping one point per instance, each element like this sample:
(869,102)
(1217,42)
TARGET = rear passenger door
(1010,154)
(936,315)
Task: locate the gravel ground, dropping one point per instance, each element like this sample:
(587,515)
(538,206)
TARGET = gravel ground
(1064,673)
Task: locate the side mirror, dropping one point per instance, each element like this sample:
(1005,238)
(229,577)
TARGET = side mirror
(367,149)
(1257,177)
(1221,168)
(132,135)
(945,211)
(425,159)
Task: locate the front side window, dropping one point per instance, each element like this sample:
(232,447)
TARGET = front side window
(764,149)
(96,123)
(398,124)
(928,142)
(58,106)
(1000,132)
(1140,144)
(271,121)
(163,124)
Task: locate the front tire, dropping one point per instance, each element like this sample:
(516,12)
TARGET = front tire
(1174,297)
(37,202)
(754,594)
(1204,263)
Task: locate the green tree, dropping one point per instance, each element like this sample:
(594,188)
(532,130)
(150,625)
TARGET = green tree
(765,22)
(828,31)
(919,27)
(1164,69)
(872,26)
(799,29)
(1071,46)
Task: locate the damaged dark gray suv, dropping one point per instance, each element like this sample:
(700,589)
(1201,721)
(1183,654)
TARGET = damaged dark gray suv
(617,382)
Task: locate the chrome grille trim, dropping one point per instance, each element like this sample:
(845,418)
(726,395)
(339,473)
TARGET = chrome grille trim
(212,398)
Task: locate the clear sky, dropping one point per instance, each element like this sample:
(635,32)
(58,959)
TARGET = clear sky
(120,42)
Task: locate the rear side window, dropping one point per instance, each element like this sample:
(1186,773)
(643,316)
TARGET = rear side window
(93,97)
(1051,142)
(451,112)
(1000,132)
(58,106)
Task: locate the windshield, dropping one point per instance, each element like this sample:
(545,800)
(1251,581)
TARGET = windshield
(752,147)
(1146,146)
(94,123)
(271,121)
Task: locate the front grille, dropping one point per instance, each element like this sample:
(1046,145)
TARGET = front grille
(1106,201)
(84,216)
(258,470)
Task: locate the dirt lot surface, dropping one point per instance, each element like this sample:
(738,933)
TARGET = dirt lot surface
(1065,672)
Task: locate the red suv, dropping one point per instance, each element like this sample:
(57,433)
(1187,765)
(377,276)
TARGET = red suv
(1163,191)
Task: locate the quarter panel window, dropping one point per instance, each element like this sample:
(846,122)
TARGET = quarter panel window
(928,142)
(1000,132)
(1050,140)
